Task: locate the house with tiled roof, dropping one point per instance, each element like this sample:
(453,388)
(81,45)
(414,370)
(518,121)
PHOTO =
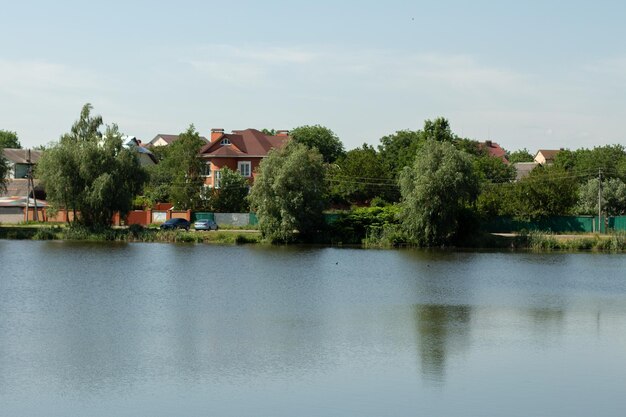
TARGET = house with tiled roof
(241,150)
(495,150)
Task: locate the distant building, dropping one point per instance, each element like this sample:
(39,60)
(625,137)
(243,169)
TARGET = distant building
(20,161)
(493,149)
(546,156)
(522,169)
(165,140)
(146,158)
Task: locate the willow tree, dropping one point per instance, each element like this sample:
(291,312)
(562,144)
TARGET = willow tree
(91,173)
(436,191)
(289,193)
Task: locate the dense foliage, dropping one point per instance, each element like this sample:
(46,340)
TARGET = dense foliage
(321,138)
(288,194)
(9,140)
(177,178)
(436,191)
(232,196)
(89,173)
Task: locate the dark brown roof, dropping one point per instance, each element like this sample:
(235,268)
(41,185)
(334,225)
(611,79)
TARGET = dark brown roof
(20,156)
(243,143)
(171,138)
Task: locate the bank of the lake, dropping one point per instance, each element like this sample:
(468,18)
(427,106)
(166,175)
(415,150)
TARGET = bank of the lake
(535,240)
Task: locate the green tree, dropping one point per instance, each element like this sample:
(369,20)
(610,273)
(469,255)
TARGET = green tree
(398,150)
(181,169)
(289,191)
(613,197)
(493,170)
(547,191)
(232,196)
(9,140)
(438,130)
(360,176)
(90,173)
(436,191)
(321,138)
(521,155)
(610,159)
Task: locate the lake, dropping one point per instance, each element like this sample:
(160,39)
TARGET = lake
(195,330)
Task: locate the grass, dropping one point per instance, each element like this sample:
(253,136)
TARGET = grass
(131,234)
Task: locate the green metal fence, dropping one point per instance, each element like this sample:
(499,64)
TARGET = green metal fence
(557,224)
(199,215)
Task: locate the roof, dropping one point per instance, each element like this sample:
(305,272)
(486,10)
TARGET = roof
(522,169)
(20,156)
(19,187)
(170,138)
(549,154)
(20,202)
(134,143)
(243,143)
(495,150)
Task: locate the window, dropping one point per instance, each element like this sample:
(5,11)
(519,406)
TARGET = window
(225,141)
(217,179)
(245,168)
(206,170)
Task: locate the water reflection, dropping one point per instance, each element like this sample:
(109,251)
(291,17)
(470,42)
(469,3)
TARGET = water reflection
(441,329)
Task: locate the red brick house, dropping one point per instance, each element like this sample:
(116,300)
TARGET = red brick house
(240,151)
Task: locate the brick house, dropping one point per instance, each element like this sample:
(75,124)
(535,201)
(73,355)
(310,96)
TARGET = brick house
(241,150)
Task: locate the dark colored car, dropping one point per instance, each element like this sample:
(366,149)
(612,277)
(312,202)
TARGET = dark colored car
(176,224)
(205,224)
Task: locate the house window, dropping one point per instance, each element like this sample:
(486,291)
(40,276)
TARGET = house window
(206,170)
(217,180)
(225,141)
(245,168)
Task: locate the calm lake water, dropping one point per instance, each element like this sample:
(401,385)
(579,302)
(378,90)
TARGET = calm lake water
(198,330)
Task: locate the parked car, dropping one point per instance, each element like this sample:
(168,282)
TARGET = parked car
(176,224)
(205,224)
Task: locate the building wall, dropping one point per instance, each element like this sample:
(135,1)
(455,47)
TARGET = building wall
(232,164)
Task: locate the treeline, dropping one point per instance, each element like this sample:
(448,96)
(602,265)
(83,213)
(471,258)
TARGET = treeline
(427,187)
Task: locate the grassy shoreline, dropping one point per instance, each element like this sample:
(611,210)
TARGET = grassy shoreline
(533,241)
(57,232)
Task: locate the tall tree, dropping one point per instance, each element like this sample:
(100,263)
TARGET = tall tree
(436,189)
(321,138)
(90,173)
(184,168)
(289,191)
(9,140)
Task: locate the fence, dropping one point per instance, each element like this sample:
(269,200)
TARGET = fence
(557,224)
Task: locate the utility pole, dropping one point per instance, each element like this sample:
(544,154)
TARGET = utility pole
(600,200)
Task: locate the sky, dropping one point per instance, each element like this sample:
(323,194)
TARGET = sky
(533,74)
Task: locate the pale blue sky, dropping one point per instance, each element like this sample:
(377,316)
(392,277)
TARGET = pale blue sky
(529,74)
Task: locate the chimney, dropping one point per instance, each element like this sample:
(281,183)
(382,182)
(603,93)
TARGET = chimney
(488,143)
(282,133)
(216,133)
